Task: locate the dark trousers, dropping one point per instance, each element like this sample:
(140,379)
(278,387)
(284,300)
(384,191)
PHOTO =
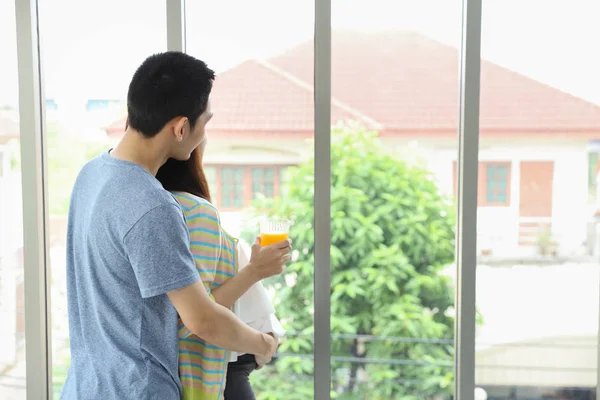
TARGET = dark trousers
(237,386)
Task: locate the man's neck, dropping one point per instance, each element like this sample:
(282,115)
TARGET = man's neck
(137,149)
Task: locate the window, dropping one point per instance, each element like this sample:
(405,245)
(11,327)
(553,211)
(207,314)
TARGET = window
(236,187)
(496,184)
(394,71)
(535,176)
(248,144)
(84,64)
(13,363)
(263,182)
(391,76)
(232,187)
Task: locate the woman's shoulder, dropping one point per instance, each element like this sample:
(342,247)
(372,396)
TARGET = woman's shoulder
(192,203)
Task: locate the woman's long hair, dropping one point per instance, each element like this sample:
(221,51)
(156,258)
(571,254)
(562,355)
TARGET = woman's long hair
(185,176)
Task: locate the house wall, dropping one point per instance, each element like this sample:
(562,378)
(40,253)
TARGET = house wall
(498,226)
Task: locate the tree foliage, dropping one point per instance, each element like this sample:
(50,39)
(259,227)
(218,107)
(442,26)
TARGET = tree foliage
(392,235)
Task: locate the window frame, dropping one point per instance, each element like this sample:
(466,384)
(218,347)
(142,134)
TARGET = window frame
(34,187)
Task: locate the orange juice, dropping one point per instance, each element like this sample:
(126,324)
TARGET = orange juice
(267,239)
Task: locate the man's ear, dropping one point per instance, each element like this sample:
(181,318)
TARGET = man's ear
(179,128)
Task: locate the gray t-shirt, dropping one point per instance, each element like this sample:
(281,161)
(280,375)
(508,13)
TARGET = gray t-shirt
(127,246)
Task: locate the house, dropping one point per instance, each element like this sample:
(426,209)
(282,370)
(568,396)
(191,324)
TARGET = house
(533,172)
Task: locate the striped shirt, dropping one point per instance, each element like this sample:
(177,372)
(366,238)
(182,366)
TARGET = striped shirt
(202,367)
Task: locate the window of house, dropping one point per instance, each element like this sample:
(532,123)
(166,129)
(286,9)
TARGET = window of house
(232,187)
(497,184)
(263,182)
(494,183)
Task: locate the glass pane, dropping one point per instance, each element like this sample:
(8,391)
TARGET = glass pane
(502,172)
(269,189)
(264,114)
(538,273)
(87,75)
(211,176)
(395,65)
(239,199)
(239,174)
(12,311)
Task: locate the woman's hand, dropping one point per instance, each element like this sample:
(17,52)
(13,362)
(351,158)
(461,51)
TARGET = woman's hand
(261,361)
(270,260)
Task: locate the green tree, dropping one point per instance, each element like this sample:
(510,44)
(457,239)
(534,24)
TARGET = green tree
(392,237)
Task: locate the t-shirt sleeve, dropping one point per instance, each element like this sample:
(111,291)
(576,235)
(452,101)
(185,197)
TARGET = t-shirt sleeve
(158,248)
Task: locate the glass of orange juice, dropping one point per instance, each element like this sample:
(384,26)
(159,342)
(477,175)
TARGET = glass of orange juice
(273,231)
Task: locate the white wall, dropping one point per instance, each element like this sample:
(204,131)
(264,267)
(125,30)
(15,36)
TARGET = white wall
(498,227)
(249,150)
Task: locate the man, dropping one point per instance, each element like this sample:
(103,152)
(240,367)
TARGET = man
(130,272)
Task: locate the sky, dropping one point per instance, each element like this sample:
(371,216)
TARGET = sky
(93,52)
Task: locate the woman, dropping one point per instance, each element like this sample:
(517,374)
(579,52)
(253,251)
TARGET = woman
(204,368)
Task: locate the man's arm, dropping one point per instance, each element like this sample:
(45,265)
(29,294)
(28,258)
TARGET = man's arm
(158,247)
(216,324)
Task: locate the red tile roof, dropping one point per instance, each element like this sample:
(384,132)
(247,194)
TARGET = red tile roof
(407,81)
(391,81)
(259,95)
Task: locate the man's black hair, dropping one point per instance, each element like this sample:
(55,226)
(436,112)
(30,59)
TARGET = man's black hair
(165,86)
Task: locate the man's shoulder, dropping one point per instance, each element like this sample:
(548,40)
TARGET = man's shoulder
(123,192)
(153,203)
